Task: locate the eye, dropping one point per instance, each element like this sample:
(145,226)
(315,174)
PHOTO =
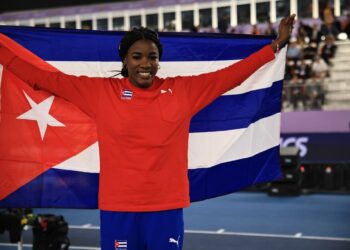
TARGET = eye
(136,57)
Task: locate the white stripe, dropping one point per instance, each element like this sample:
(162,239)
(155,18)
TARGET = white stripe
(263,78)
(87,161)
(208,149)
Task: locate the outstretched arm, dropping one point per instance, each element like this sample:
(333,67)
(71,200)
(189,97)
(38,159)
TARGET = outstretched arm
(204,88)
(81,91)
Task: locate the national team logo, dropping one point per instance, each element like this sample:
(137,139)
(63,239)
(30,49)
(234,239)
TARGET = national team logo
(120,244)
(126,94)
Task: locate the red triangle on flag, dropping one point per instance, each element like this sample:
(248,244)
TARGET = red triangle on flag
(24,152)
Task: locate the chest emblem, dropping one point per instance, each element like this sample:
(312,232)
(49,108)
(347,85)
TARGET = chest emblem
(126,94)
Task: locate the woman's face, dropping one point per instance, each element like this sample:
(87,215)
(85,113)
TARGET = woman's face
(142,63)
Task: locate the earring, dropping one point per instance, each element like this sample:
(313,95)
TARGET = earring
(158,67)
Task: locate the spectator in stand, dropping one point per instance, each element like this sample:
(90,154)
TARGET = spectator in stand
(223,23)
(315,93)
(320,68)
(255,30)
(294,51)
(329,29)
(315,35)
(304,70)
(347,26)
(270,31)
(290,70)
(310,51)
(328,17)
(303,33)
(194,29)
(296,91)
(328,49)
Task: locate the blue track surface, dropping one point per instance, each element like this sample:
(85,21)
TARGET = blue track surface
(240,221)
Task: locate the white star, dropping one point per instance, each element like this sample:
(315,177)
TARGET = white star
(40,114)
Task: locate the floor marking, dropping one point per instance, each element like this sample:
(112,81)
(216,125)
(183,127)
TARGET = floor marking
(84,227)
(295,236)
(268,235)
(298,235)
(220,231)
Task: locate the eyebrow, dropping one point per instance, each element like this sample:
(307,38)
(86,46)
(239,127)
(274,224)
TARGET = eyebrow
(139,53)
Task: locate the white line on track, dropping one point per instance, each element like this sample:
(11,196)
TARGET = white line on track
(298,235)
(220,231)
(223,232)
(268,235)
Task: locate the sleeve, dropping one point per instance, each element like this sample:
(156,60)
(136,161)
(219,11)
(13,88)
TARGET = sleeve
(82,91)
(204,88)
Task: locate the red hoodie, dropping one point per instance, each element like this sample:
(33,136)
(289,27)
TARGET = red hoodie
(142,133)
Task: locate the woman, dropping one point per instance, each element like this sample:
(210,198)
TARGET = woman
(143,127)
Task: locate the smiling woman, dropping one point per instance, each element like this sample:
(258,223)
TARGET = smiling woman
(140,51)
(143,125)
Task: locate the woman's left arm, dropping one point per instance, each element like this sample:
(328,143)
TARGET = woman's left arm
(204,88)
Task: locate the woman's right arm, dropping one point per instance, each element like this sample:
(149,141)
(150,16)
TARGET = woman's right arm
(81,91)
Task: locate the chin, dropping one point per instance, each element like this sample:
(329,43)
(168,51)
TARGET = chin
(143,84)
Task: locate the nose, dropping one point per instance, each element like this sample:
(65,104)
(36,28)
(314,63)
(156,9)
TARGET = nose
(145,63)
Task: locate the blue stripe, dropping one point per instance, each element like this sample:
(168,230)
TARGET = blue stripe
(233,176)
(81,45)
(56,188)
(60,188)
(238,111)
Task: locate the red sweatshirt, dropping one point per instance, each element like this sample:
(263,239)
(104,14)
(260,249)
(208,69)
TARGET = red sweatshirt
(143,133)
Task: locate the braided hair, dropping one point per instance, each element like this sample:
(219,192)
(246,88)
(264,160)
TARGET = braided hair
(133,36)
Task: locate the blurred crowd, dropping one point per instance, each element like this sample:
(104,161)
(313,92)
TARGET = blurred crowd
(309,56)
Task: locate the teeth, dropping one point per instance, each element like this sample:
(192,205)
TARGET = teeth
(144,73)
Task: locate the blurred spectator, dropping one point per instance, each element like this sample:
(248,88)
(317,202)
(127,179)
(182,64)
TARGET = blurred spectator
(290,69)
(255,30)
(270,31)
(315,93)
(328,17)
(303,70)
(328,49)
(320,68)
(315,35)
(347,26)
(329,29)
(296,92)
(223,23)
(310,51)
(194,29)
(294,51)
(303,33)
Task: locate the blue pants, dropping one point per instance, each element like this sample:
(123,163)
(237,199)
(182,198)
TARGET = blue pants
(163,230)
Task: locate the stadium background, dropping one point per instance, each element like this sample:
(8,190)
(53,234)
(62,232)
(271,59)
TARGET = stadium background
(316,96)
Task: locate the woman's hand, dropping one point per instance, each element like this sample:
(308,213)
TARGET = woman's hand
(284,31)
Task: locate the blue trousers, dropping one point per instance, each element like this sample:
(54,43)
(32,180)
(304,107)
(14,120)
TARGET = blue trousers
(163,230)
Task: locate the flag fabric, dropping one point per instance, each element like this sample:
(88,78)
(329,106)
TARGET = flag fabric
(49,148)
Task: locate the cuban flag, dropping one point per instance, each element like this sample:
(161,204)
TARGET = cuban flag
(49,148)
